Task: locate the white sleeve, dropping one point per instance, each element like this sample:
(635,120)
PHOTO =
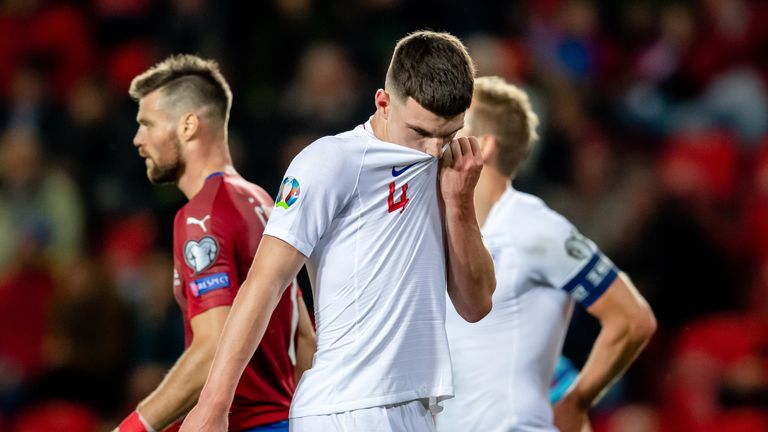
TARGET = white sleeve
(316,187)
(574,263)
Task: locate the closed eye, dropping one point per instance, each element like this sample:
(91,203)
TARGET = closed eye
(421,132)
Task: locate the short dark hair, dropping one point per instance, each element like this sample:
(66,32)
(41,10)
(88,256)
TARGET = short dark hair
(434,69)
(187,76)
(504,111)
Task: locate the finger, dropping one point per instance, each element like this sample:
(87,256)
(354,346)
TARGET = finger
(466,148)
(448,157)
(444,148)
(456,148)
(474,145)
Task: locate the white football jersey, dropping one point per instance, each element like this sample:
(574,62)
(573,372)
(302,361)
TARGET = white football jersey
(503,364)
(365,213)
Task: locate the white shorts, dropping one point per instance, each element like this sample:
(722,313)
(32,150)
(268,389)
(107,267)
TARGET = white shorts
(413,416)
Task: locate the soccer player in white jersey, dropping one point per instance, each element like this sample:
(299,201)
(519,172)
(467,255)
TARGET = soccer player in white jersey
(385,222)
(503,365)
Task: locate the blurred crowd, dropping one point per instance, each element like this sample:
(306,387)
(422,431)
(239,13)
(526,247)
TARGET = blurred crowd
(654,143)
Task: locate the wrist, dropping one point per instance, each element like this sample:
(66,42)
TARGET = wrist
(135,422)
(577,399)
(460,207)
(214,401)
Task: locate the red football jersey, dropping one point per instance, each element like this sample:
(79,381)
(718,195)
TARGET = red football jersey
(216,235)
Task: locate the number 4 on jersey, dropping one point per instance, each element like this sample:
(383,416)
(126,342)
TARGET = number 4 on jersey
(400,204)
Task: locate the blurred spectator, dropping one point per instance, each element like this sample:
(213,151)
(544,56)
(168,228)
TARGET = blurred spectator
(39,205)
(608,198)
(716,367)
(26,294)
(159,338)
(88,345)
(57,416)
(325,94)
(655,143)
(56,32)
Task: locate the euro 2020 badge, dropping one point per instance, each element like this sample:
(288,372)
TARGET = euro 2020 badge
(289,193)
(577,246)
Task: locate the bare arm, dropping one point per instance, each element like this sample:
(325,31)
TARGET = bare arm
(627,324)
(274,266)
(306,341)
(471,277)
(179,390)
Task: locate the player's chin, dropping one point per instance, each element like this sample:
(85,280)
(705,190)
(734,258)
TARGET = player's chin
(158,176)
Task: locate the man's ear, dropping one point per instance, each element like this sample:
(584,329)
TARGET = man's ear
(383,103)
(489,147)
(188,126)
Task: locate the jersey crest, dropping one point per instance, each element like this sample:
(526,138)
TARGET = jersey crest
(577,247)
(201,254)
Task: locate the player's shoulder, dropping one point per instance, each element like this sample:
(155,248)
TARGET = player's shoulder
(206,198)
(236,187)
(532,213)
(524,222)
(346,146)
(215,201)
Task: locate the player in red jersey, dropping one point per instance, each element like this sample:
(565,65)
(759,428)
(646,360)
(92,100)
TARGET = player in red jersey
(184,105)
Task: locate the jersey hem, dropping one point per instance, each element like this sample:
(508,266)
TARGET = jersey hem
(262,420)
(440,393)
(289,238)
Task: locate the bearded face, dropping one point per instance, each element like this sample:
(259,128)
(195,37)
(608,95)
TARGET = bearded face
(166,166)
(157,141)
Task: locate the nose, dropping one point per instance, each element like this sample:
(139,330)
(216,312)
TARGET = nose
(137,141)
(435,147)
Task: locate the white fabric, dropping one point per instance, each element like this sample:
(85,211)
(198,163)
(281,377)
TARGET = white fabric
(145,423)
(413,416)
(378,276)
(503,365)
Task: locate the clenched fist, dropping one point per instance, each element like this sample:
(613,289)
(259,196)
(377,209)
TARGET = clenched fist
(459,170)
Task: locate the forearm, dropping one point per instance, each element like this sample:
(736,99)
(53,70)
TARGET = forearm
(471,278)
(242,333)
(613,352)
(179,390)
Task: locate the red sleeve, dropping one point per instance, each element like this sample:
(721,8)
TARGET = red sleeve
(208,259)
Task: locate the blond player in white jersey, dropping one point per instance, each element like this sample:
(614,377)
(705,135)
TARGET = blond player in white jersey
(386,227)
(503,365)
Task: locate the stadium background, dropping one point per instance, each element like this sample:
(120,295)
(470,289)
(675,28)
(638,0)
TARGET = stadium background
(654,143)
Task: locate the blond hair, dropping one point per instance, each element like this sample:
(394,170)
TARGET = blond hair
(504,111)
(187,80)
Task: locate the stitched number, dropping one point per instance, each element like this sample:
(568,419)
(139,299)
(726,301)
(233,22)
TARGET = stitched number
(401,202)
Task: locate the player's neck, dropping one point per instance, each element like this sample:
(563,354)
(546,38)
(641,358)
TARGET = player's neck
(204,161)
(379,130)
(490,187)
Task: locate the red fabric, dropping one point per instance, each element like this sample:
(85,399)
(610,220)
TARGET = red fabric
(756,228)
(702,163)
(126,62)
(132,423)
(58,33)
(229,213)
(174,427)
(740,421)
(57,417)
(25,297)
(62,32)
(706,351)
(129,240)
